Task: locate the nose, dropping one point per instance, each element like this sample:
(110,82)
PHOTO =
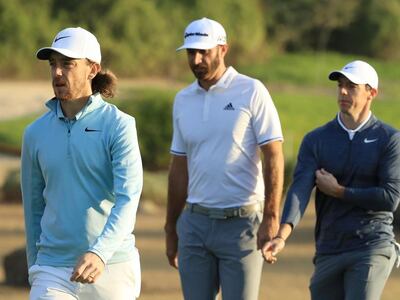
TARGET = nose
(342,90)
(56,70)
(197,57)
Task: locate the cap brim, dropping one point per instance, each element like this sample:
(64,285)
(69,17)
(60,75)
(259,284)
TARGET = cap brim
(44,53)
(336,74)
(201,46)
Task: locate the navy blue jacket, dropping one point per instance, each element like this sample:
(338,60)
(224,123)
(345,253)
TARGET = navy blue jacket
(368,166)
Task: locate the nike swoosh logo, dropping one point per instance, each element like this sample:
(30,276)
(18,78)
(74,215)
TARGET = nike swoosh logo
(91,130)
(61,37)
(367,141)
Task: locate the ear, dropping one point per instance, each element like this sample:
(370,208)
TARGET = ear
(374,93)
(224,49)
(94,69)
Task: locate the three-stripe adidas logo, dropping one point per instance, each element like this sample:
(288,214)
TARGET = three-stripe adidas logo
(229,106)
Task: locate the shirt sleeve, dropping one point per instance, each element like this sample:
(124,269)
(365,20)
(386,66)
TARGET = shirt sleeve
(128,181)
(265,118)
(178,146)
(32,186)
(385,196)
(299,192)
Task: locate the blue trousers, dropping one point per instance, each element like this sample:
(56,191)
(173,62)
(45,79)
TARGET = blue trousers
(354,275)
(215,253)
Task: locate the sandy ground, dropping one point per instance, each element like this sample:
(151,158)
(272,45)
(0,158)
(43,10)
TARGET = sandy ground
(288,279)
(18,98)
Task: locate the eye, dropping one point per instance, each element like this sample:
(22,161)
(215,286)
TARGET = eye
(352,86)
(68,64)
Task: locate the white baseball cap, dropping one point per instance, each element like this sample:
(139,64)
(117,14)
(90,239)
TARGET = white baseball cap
(203,34)
(74,43)
(358,72)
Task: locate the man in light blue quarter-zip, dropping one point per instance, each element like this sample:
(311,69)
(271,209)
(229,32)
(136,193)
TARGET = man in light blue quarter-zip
(354,163)
(81,181)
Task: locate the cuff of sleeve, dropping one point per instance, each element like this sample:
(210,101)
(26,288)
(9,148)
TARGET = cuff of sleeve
(348,193)
(102,257)
(291,220)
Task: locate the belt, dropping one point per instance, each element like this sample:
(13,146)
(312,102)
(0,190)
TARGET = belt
(225,213)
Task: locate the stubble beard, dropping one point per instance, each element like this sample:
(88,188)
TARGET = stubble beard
(202,72)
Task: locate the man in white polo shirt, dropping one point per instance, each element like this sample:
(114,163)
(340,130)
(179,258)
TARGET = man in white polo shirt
(221,209)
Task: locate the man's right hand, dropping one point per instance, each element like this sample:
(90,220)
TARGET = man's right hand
(172,248)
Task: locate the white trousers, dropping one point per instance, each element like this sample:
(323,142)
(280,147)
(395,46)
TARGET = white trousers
(119,281)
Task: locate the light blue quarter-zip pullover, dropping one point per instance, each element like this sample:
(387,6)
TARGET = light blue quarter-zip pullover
(81,182)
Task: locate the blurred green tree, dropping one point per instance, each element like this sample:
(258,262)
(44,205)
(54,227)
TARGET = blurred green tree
(375,30)
(23,26)
(307,24)
(139,37)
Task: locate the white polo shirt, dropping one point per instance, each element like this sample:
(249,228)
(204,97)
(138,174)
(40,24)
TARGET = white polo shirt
(220,131)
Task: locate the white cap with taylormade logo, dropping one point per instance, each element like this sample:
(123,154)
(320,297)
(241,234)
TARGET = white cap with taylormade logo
(358,72)
(203,34)
(74,43)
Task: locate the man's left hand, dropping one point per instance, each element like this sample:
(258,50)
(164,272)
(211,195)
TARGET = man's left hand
(88,268)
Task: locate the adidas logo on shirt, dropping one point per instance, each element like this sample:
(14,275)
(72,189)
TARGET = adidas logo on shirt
(229,106)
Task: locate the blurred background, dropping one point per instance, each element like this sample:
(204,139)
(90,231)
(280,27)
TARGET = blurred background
(289,45)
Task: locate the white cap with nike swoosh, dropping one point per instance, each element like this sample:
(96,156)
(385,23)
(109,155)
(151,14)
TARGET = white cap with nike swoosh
(74,42)
(358,72)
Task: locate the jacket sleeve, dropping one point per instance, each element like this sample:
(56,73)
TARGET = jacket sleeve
(128,181)
(32,186)
(299,192)
(385,196)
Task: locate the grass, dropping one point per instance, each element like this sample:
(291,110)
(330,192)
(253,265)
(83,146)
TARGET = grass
(11,131)
(313,68)
(297,69)
(299,113)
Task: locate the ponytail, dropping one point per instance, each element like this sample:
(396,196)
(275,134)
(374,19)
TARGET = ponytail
(105,83)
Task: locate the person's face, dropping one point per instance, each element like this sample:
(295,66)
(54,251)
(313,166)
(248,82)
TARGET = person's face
(206,64)
(71,78)
(354,99)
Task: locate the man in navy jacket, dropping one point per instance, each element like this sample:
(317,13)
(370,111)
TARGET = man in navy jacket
(354,162)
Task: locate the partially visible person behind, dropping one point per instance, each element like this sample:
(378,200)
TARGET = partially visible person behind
(354,162)
(81,181)
(223,122)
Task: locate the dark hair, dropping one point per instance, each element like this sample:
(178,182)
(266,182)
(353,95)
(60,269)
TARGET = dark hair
(105,83)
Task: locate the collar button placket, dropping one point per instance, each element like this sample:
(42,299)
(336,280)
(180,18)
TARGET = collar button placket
(69,125)
(206,107)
